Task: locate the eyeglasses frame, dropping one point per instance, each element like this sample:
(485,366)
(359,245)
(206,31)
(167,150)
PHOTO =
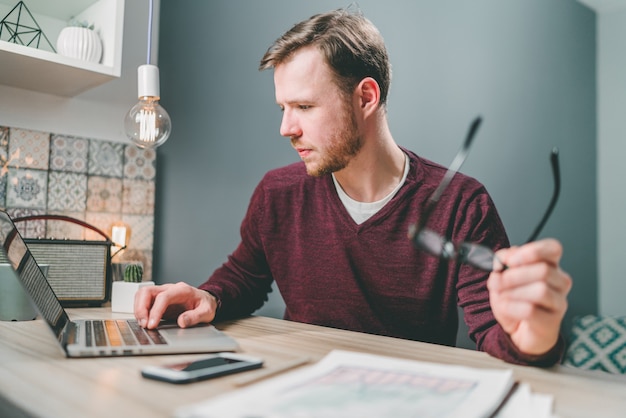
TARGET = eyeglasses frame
(461,252)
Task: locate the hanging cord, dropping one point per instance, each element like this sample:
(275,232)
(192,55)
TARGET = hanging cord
(123,247)
(149,31)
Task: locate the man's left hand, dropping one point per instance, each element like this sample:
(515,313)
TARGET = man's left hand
(529,298)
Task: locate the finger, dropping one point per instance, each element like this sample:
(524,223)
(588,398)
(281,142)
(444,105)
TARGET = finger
(546,250)
(546,292)
(530,320)
(190,318)
(160,304)
(203,312)
(143,302)
(533,296)
(520,276)
(553,277)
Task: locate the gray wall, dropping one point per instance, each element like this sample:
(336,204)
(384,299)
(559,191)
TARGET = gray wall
(526,66)
(611,151)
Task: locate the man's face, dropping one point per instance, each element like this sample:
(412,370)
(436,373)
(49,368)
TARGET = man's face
(316,117)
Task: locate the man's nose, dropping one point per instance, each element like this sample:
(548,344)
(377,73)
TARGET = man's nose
(289,126)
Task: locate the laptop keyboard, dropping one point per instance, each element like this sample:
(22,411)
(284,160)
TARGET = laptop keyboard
(120,332)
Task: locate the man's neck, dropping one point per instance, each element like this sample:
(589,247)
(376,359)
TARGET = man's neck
(374,172)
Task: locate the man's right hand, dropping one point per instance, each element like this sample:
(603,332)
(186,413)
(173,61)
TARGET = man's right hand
(181,301)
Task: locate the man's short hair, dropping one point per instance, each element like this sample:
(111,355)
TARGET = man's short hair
(351,45)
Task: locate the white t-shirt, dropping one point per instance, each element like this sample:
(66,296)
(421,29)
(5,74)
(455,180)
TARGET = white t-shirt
(361,211)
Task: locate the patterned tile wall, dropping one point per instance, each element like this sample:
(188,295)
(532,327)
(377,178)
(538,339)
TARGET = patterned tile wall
(98,182)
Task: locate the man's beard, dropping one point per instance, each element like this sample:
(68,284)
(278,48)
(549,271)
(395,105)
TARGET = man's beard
(344,145)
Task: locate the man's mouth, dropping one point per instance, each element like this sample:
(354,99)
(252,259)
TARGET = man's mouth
(303,152)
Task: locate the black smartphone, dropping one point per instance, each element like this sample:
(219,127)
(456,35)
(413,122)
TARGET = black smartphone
(216,365)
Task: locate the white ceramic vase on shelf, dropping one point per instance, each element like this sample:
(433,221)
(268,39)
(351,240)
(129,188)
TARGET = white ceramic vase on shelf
(80,43)
(123,295)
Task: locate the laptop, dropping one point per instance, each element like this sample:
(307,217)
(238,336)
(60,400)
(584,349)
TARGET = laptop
(98,337)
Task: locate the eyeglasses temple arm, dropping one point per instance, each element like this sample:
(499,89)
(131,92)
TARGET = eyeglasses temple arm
(452,170)
(554,160)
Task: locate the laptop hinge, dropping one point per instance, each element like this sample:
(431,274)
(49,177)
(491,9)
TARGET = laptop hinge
(70,334)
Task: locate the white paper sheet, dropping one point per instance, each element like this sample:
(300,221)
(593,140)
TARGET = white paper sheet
(349,384)
(523,404)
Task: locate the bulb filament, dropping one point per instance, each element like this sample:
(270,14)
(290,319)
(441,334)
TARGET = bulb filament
(147,125)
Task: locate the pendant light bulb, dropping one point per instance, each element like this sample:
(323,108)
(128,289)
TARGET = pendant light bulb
(147,124)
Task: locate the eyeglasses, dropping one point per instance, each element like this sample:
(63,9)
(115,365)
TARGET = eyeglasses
(473,254)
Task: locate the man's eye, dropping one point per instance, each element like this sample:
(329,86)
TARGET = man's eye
(304,107)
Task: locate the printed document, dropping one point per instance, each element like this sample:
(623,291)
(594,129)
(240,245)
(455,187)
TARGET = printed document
(350,384)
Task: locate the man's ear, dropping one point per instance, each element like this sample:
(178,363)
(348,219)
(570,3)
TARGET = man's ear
(368,93)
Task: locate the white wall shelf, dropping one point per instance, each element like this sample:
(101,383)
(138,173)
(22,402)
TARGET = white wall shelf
(43,70)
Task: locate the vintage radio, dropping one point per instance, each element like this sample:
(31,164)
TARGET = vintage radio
(79,271)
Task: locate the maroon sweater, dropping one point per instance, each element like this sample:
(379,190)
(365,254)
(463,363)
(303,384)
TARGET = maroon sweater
(368,277)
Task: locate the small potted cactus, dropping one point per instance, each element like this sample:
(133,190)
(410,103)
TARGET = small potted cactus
(123,295)
(133,273)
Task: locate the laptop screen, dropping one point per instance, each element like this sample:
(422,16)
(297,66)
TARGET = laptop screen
(16,253)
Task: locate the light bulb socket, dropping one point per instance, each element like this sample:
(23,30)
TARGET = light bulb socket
(148,81)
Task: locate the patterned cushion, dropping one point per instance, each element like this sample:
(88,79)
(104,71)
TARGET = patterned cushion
(598,343)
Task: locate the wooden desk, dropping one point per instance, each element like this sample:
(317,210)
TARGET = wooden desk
(36,379)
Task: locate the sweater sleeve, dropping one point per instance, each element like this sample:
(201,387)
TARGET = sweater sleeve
(243,282)
(481,224)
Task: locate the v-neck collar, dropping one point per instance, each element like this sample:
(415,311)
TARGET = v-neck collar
(410,181)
